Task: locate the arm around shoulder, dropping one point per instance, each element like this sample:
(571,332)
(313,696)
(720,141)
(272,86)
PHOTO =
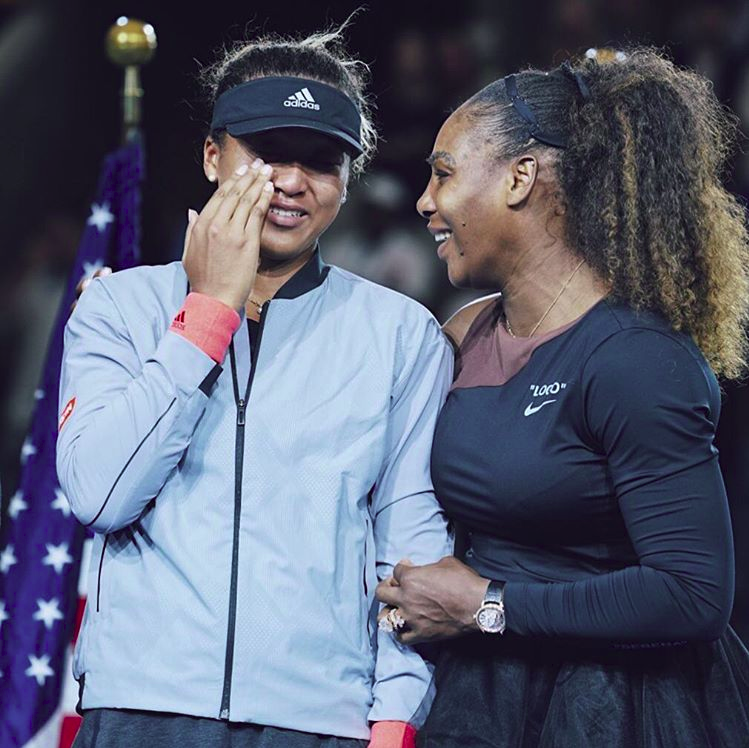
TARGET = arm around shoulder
(458,325)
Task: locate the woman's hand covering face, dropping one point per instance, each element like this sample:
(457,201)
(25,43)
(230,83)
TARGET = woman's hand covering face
(309,174)
(222,245)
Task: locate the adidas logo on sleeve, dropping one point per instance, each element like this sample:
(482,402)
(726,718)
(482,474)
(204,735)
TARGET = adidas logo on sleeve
(302,99)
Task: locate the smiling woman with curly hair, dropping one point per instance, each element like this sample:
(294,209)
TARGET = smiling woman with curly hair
(576,446)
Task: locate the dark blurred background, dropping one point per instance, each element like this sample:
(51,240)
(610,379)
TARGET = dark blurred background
(59,115)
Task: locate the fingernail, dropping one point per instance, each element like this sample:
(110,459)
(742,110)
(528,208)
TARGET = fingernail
(268,186)
(242,170)
(256,163)
(267,169)
(191,215)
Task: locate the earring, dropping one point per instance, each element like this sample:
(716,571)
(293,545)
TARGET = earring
(211,177)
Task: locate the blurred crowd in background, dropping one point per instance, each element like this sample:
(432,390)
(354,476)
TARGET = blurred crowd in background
(59,104)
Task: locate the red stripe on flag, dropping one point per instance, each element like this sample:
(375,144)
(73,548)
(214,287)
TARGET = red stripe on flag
(69,730)
(79,618)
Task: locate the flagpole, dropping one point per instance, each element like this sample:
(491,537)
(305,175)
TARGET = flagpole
(131,44)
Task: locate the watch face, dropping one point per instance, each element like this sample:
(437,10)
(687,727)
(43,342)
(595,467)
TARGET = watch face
(491,619)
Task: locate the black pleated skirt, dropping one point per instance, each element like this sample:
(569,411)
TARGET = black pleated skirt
(522,693)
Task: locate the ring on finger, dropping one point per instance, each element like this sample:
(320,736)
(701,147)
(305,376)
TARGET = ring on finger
(384,625)
(396,619)
(391,621)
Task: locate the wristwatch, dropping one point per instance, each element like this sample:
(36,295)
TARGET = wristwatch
(490,617)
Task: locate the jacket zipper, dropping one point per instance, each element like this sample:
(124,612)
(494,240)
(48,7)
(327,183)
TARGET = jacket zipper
(241,403)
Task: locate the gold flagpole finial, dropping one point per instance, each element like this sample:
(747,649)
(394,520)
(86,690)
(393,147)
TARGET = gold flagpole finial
(131,44)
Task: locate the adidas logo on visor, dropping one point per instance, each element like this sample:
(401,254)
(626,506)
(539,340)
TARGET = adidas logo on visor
(302,99)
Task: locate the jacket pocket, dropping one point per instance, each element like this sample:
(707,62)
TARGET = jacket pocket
(100,574)
(369,582)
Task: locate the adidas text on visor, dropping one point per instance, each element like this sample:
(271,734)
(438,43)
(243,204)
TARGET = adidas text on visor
(273,102)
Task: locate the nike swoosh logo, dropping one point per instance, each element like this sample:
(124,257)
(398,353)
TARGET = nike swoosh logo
(531,409)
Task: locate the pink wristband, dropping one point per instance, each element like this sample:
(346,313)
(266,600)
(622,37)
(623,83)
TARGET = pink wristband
(207,323)
(391,734)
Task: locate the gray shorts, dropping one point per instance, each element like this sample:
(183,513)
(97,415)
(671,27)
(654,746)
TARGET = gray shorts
(126,728)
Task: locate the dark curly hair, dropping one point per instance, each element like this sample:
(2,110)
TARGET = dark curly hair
(640,185)
(321,56)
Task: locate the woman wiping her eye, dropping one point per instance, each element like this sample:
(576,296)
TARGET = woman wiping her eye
(249,438)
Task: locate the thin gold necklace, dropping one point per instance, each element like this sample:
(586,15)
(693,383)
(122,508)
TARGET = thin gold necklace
(257,304)
(551,306)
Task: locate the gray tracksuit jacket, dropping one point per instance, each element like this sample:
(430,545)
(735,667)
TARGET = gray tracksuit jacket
(244,512)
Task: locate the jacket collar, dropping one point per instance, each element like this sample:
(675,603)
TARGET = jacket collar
(307,278)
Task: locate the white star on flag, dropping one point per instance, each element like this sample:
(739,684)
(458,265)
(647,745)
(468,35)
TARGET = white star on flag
(57,556)
(7,559)
(100,216)
(16,505)
(61,502)
(89,268)
(27,450)
(39,394)
(3,613)
(48,612)
(39,668)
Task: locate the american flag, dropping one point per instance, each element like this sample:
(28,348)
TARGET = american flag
(42,546)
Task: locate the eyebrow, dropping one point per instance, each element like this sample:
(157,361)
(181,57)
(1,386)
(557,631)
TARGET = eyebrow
(443,156)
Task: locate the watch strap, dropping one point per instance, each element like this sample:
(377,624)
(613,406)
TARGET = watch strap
(495,592)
